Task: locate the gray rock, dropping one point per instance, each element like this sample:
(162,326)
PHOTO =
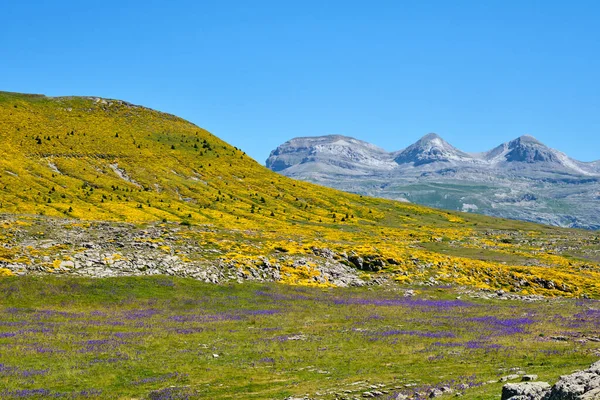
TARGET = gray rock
(529,378)
(511,377)
(356,261)
(582,385)
(525,391)
(593,394)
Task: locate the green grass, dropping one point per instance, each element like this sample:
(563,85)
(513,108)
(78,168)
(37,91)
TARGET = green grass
(128,337)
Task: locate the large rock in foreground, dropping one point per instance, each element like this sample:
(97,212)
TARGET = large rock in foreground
(525,391)
(582,385)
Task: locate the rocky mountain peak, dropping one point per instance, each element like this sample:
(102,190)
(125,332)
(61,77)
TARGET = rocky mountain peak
(529,150)
(336,150)
(431,136)
(430,148)
(528,139)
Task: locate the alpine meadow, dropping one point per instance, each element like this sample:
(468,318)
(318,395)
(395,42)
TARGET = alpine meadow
(141,257)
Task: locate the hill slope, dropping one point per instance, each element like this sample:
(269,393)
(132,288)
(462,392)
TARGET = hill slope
(182,202)
(522,179)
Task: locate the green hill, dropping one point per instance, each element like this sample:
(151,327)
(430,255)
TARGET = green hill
(73,159)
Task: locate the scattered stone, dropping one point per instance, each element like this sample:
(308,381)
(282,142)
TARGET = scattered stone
(511,377)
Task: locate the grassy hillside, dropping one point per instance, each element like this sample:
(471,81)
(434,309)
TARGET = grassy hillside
(90,159)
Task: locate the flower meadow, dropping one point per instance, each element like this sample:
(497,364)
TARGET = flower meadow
(82,176)
(173,338)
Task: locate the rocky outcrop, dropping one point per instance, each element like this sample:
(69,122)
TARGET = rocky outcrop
(525,391)
(581,385)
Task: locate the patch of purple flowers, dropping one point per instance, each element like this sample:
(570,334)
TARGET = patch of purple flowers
(506,326)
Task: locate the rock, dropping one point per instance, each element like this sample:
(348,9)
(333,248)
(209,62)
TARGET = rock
(529,378)
(447,390)
(582,385)
(511,377)
(525,391)
(593,394)
(356,261)
(325,252)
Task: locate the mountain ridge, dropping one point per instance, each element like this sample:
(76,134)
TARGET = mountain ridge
(522,168)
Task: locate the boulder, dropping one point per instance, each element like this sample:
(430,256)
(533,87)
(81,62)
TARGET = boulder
(582,385)
(526,391)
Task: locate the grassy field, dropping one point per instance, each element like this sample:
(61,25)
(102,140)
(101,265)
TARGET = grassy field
(90,184)
(168,338)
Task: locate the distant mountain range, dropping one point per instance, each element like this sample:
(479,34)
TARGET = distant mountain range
(521,179)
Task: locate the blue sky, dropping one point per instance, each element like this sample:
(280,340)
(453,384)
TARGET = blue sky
(257,73)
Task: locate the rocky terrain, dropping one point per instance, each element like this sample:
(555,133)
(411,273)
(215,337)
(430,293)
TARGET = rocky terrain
(103,250)
(521,179)
(582,385)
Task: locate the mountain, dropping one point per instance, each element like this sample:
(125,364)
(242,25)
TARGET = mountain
(335,153)
(521,179)
(431,148)
(102,187)
(524,149)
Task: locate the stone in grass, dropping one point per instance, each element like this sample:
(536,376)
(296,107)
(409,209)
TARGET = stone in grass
(529,378)
(440,391)
(511,377)
(525,391)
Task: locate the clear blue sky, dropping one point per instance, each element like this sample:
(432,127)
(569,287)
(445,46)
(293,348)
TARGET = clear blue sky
(257,73)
